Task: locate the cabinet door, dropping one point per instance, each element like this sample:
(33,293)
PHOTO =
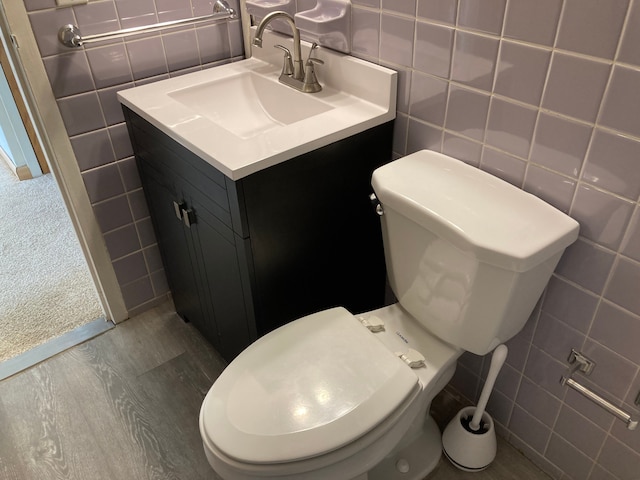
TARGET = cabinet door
(315,239)
(174,242)
(219,267)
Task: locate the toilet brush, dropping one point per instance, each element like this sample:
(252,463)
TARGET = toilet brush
(469,441)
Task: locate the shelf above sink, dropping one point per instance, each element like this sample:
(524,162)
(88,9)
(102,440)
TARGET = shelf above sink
(240,119)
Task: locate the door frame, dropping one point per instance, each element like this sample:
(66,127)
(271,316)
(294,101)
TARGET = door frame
(23,55)
(23,111)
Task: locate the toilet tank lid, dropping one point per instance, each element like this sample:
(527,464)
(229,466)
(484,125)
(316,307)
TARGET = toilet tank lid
(305,389)
(498,223)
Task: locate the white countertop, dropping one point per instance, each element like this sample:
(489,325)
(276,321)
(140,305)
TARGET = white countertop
(359,95)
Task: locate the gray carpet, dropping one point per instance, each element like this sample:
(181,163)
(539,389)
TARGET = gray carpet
(45,286)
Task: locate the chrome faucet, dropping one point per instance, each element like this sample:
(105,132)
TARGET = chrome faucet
(302,78)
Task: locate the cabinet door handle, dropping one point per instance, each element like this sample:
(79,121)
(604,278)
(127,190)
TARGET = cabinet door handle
(178,208)
(188,217)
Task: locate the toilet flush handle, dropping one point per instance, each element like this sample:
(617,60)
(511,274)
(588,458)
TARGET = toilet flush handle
(374,201)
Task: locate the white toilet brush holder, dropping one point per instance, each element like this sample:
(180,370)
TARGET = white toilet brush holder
(469,440)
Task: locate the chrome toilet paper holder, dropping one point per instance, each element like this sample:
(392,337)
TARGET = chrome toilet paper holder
(582,363)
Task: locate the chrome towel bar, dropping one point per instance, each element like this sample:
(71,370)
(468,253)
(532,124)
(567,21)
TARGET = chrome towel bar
(632,423)
(70,36)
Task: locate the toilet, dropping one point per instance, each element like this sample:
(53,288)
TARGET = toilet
(342,396)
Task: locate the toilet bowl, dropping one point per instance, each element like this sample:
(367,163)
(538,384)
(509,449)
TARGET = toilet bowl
(342,396)
(343,418)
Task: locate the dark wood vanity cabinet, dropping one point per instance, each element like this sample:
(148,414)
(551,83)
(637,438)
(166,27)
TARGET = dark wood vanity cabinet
(244,257)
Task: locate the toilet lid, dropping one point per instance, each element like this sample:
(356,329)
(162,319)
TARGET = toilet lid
(305,389)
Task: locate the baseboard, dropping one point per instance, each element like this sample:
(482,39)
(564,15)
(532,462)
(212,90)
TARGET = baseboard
(23,173)
(57,345)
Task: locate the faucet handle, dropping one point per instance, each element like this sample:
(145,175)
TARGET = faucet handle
(311,60)
(287,66)
(310,82)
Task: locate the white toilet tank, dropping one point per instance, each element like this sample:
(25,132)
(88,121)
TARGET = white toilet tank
(468,255)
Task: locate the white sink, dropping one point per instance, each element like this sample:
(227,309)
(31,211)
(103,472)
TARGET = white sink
(249,104)
(240,119)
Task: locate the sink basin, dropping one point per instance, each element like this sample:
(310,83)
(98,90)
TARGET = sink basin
(249,104)
(240,119)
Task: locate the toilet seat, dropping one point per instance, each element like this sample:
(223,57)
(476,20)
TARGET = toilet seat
(304,390)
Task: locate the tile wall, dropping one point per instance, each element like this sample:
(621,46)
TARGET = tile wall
(85,82)
(541,93)
(546,95)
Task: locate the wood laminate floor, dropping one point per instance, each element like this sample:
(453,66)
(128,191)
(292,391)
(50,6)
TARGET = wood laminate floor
(125,406)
